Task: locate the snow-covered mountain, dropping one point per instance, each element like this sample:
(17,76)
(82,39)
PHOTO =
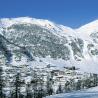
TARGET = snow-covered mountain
(51,43)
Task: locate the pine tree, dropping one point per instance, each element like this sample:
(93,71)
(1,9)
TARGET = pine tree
(78,85)
(95,80)
(67,86)
(1,83)
(34,84)
(17,86)
(88,83)
(40,91)
(49,86)
(60,89)
(29,94)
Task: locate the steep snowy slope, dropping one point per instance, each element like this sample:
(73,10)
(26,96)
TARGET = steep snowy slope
(87,30)
(89,34)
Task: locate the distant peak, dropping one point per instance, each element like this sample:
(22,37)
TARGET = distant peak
(86,30)
(91,25)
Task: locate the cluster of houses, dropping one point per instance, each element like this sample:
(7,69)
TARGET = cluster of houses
(38,77)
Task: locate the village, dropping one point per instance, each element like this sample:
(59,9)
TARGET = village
(33,81)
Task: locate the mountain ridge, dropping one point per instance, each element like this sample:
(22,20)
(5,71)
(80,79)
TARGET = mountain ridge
(43,38)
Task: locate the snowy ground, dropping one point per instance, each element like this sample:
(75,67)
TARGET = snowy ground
(90,93)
